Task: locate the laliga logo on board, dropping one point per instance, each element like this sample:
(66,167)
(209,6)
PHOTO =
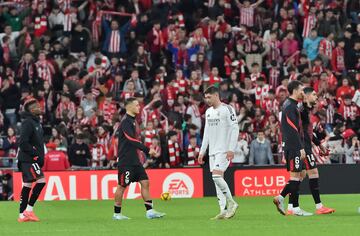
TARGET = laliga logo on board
(179,185)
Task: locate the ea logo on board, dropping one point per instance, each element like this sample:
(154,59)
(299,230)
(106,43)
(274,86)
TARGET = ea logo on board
(179,185)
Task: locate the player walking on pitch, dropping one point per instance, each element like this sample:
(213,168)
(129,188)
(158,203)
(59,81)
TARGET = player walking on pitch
(220,135)
(310,98)
(31,159)
(129,167)
(292,135)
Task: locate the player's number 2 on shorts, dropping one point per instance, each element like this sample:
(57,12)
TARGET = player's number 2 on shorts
(127,180)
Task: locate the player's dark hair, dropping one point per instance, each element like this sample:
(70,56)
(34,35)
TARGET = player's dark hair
(130,100)
(293,85)
(308,90)
(211,90)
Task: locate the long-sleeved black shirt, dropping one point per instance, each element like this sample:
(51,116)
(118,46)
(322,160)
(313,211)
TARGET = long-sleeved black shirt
(307,125)
(128,144)
(31,142)
(291,127)
(79,154)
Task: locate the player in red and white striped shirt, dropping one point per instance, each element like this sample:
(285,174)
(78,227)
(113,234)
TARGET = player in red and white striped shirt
(247,12)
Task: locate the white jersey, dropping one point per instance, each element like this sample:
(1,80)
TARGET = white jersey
(221,130)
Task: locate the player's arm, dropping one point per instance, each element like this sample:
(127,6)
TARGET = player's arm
(24,142)
(129,134)
(233,128)
(293,130)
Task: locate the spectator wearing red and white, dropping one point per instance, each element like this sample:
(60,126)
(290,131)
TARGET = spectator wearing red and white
(195,82)
(105,62)
(326,48)
(40,21)
(168,95)
(256,72)
(274,47)
(271,104)
(318,66)
(160,77)
(44,68)
(6,53)
(338,60)
(194,111)
(114,68)
(96,71)
(181,103)
(98,154)
(247,12)
(214,78)
(193,151)
(65,107)
(129,90)
(310,19)
(55,160)
(140,85)
(149,134)
(260,90)
(103,137)
(241,150)
(155,39)
(173,149)
(197,38)
(108,107)
(181,83)
(345,89)
(348,109)
(274,75)
(155,145)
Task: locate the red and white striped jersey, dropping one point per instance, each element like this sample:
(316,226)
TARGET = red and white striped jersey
(105,141)
(261,93)
(326,47)
(45,70)
(192,154)
(350,111)
(127,94)
(40,25)
(108,109)
(114,46)
(274,53)
(70,106)
(247,16)
(309,23)
(98,154)
(271,106)
(181,85)
(274,78)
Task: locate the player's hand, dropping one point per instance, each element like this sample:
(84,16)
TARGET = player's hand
(152,152)
(302,154)
(201,159)
(230,155)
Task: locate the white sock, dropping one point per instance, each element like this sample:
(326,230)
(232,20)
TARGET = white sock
(219,181)
(221,198)
(29,208)
(281,197)
(319,205)
(290,206)
(21,216)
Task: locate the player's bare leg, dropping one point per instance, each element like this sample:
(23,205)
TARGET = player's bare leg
(29,213)
(314,187)
(118,203)
(224,195)
(145,193)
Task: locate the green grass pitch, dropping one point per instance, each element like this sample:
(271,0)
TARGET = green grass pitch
(255,216)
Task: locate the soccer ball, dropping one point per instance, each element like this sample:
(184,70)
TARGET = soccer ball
(165,196)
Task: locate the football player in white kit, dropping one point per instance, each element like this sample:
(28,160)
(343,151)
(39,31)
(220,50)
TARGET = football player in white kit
(220,135)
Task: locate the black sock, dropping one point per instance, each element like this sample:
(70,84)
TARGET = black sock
(117,209)
(314,187)
(295,185)
(24,198)
(148,205)
(286,190)
(35,193)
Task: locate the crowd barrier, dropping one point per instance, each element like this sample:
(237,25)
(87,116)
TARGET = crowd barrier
(191,182)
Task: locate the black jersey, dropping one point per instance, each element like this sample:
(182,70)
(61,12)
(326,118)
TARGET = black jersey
(291,128)
(129,144)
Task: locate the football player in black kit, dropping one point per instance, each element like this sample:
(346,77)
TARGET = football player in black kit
(30,159)
(310,168)
(293,143)
(129,167)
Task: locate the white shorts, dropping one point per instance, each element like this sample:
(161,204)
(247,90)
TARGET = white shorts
(218,162)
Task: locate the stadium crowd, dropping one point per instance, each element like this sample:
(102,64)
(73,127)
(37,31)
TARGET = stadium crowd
(82,59)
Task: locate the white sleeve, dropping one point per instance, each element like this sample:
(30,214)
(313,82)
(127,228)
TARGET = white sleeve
(205,141)
(234,128)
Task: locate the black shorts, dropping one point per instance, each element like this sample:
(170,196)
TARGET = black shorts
(30,172)
(293,161)
(129,174)
(309,162)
